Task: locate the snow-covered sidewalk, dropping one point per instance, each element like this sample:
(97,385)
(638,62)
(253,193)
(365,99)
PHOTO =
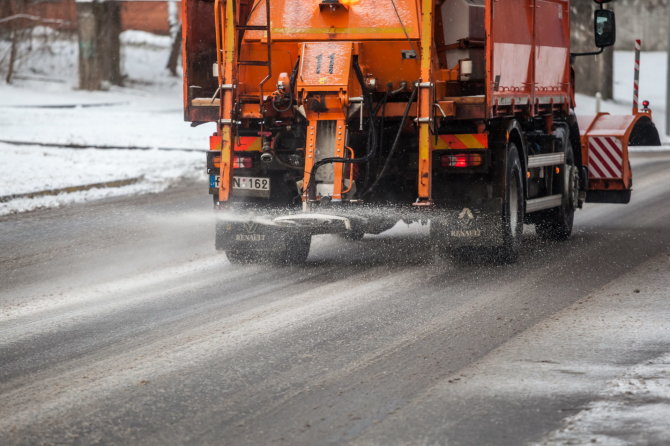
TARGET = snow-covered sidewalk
(44,107)
(33,177)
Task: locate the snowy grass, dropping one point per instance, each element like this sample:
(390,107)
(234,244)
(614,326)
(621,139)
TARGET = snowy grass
(33,168)
(44,106)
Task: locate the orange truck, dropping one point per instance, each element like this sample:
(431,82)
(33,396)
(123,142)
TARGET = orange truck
(345,116)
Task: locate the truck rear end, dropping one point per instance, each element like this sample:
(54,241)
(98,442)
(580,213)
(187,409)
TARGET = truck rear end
(337,116)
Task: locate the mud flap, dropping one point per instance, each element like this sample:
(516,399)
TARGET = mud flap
(469,227)
(250,236)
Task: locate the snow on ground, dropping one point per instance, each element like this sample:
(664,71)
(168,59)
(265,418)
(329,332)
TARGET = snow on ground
(634,408)
(33,169)
(44,106)
(147,112)
(653,66)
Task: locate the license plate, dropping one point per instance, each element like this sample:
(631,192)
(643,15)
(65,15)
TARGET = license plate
(251,183)
(256,186)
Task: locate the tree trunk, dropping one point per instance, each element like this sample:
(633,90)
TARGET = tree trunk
(99,26)
(12,56)
(17,35)
(90,68)
(175,33)
(174,53)
(109,25)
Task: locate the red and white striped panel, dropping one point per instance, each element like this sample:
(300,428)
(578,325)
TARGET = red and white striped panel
(605,157)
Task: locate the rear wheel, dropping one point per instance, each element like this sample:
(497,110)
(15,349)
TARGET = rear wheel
(513,209)
(556,224)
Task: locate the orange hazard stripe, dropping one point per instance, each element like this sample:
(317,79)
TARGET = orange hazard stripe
(243,143)
(215,142)
(463,141)
(248,143)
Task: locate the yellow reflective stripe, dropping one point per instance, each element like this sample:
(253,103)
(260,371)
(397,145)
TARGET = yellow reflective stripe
(340,31)
(470,141)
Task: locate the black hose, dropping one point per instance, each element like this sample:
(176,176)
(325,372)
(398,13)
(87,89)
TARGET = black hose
(311,185)
(282,110)
(408,107)
(291,88)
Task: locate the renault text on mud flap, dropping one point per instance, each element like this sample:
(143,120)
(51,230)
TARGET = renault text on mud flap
(250,236)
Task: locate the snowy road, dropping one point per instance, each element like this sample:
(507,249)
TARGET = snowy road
(120,325)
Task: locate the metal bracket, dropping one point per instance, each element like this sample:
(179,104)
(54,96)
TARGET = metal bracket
(229,121)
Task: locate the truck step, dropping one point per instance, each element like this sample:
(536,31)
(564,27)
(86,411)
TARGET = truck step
(538,204)
(548,159)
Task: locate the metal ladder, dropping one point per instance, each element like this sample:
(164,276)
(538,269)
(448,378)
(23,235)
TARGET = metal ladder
(223,33)
(268,43)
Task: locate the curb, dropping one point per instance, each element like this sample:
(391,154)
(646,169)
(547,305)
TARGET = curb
(70,189)
(88,146)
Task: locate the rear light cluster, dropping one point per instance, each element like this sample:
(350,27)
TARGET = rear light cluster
(462,160)
(243,162)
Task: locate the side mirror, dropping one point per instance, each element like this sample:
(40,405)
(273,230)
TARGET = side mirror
(604,24)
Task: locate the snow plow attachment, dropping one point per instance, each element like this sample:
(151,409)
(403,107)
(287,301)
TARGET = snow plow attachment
(605,140)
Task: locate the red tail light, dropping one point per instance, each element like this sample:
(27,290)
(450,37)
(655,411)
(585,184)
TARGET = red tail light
(243,162)
(462,160)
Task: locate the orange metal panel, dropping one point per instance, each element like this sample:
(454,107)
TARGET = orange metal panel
(325,64)
(529,44)
(338,168)
(463,141)
(604,141)
(248,144)
(552,50)
(511,40)
(310,150)
(303,20)
(426,98)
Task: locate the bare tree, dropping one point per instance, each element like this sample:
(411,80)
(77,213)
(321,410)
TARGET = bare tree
(175,34)
(593,74)
(13,10)
(99,27)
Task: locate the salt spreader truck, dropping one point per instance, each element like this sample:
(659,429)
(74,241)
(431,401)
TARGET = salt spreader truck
(345,116)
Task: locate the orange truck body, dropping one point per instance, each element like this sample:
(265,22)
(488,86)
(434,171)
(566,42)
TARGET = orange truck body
(485,73)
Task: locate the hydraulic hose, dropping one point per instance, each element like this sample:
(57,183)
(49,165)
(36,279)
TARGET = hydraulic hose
(387,163)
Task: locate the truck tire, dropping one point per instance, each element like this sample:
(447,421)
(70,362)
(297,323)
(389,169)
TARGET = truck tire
(513,208)
(556,224)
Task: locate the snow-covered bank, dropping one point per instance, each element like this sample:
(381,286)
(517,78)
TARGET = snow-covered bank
(30,169)
(653,66)
(43,106)
(146,112)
